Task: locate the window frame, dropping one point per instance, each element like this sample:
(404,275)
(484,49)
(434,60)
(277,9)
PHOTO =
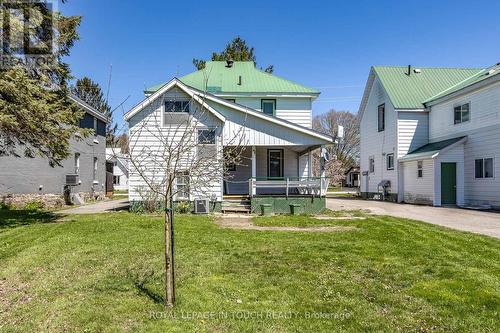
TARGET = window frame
(461,105)
(381,128)
(387,161)
(188,103)
(182,175)
(95,164)
(371,164)
(77,163)
(266,100)
(420,169)
(483,168)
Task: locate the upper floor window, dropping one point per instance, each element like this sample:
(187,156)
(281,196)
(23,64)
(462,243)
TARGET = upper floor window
(462,113)
(420,169)
(177,106)
(269,106)
(95,168)
(77,163)
(372,164)
(95,125)
(381,117)
(390,161)
(484,168)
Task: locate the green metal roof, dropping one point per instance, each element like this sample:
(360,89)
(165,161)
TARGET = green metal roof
(478,77)
(217,77)
(410,91)
(430,149)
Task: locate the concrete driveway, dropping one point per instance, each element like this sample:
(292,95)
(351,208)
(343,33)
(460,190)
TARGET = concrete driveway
(99,207)
(486,223)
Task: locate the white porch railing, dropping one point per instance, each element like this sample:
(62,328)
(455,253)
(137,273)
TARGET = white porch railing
(304,185)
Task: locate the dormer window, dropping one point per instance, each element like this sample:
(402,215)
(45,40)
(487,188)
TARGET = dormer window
(177,106)
(269,106)
(462,113)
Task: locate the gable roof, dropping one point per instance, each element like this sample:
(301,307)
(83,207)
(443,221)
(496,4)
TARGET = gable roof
(201,96)
(476,78)
(431,149)
(218,78)
(411,91)
(88,108)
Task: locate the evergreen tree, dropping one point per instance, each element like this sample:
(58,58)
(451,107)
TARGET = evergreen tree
(91,93)
(237,50)
(36,116)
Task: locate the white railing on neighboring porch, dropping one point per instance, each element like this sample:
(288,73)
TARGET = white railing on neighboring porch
(304,185)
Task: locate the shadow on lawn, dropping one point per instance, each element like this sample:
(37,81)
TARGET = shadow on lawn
(10,218)
(140,280)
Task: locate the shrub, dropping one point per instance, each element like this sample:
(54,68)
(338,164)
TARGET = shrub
(34,205)
(183,207)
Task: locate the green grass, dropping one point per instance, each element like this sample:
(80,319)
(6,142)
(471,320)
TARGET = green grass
(104,273)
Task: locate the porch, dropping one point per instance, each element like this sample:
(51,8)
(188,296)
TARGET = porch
(274,171)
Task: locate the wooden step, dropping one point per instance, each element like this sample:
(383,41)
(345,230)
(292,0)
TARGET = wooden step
(236,206)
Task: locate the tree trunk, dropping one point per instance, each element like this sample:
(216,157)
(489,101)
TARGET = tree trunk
(169,252)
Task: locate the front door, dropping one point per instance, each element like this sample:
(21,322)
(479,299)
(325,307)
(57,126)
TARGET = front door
(275,163)
(448,183)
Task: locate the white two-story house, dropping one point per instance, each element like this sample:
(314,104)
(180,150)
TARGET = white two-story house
(432,136)
(273,114)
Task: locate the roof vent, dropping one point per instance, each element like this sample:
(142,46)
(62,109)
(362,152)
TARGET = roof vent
(239,80)
(409,70)
(491,71)
(417,70)
(229,62)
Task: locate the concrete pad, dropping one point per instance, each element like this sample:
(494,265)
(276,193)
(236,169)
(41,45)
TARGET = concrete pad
(99,207)
(480,222)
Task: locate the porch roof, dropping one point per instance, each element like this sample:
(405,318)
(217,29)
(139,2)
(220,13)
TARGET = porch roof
(431,150)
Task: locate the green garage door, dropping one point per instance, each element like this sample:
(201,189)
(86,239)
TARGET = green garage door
(448,183)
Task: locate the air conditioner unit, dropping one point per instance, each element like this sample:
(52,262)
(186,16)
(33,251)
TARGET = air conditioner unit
(201,206)
(72,180)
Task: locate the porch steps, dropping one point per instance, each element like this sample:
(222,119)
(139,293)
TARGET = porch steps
(236,205)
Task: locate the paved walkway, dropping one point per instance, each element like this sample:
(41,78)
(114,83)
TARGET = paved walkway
(99,207)
(486,223)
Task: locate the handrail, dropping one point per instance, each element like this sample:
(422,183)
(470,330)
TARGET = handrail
(305,185)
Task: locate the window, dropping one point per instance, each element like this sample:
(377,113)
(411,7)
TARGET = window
(95,168)
(390,161)
(484,168)
(77,163)
(275,163)
(462,113)
(116,180)
(207,147)
(420,169)
(177,106)
(182,185)
(269,106)
(381,117)
(372,164)
(206,136)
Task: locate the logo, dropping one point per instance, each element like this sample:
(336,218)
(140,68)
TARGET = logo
(27,32)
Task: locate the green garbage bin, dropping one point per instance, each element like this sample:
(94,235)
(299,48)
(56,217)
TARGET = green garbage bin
(266,209)
(296,209)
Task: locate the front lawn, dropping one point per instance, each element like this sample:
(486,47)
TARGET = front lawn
(104,273)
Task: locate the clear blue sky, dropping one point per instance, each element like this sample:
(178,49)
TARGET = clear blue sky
(329,46)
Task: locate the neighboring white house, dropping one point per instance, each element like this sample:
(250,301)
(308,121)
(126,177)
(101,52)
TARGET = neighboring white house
(352,177)
(120,164)
(275,117)
(433,134)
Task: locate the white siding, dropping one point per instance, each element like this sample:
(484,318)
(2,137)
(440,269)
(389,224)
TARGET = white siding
(378,144)
(294,109)
(483,132)
(145,129)
(413,131)
(484,112)
(418,190)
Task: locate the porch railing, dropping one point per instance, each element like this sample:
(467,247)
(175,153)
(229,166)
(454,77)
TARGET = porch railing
(304,185)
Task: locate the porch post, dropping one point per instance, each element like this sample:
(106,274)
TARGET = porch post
(254,171)
(322,171)
(309,164)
